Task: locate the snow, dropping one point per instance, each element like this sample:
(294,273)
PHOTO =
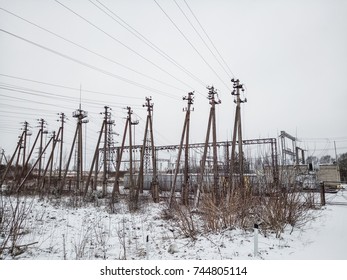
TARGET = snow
(71,229)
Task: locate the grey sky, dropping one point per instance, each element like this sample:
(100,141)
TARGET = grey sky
(291,56)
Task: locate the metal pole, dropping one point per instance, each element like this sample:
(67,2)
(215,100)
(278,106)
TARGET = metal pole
(94,158)
(119,161)
(173,186)
(62,118)
(104,181)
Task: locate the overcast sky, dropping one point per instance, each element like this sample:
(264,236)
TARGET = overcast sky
(290,55)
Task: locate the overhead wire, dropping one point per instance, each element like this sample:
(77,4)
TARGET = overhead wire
(24,99)
(70,88)
(55,85)
(191,44)
(27,101)
(90,66)
(121,43)
(54,95)
(90,51)
(24,108)
(145,40)
(202,39)
(211,41)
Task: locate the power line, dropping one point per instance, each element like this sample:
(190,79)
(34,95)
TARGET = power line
(90,51)
(54,95)
(191,44)
(70,88)
(141,37)
(24,108)
(24,99)
(90,66)
(203,29)
(121,43)
(202,39)
(16,113)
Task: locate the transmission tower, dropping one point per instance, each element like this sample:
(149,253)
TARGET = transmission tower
(185,136)
(23,143)
(148,139)
(106,150)
(211,122)
(115,191)
(80,115)
(54,139)
(62,119)
(26,134)
(105,128)
(237,134)
(111,143)
(42,131)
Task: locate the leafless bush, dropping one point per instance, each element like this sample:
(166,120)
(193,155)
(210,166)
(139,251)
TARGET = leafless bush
(122,239)
(235,211)
(75,201)
(274,208)
(185,220)
(285,207)
(101,238)
(84,242)
(13,217)
(80,244)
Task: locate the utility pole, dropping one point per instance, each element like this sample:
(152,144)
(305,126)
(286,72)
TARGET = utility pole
(19,173)
(34,165)
(115,190)
(140,182)
(95,159)
(237,133)
(2,156)
(108,122)
(62,119)
(132,192)
(106,151)
(42,125)
(26,134)
(104,181)
(336,159)
(9,164)
(80,115)
(49,165)
(30,153)
(185,135)
(211,122)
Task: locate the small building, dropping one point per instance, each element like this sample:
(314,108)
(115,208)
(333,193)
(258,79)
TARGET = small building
(329,173)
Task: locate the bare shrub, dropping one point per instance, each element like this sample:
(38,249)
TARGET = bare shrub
(185,220)
(274,208)
(74,201)
(286,207)
(122,239)
(14,212)
(237,211)
(80,244)
(101,238)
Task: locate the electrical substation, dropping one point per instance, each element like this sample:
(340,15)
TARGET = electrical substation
(175,172)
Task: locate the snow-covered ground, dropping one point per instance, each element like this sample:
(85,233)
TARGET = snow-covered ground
(59,230)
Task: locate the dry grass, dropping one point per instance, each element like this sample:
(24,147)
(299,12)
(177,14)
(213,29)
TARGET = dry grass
(274,209)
